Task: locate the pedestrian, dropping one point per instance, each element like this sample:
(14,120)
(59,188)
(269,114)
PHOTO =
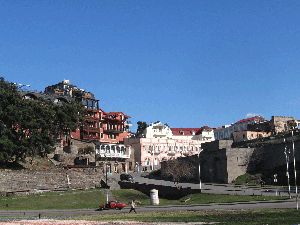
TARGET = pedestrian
(132,204)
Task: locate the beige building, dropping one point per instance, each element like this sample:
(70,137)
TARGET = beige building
(249,135)
(158,144)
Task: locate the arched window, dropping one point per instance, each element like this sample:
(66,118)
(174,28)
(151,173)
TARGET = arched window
(107,148)
(147,162)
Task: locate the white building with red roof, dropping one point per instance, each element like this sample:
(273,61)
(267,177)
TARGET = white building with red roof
(226,132)
(160,143)
(204,133)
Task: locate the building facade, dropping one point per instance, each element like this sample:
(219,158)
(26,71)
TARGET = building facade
(158,144)
(282,123)
(247,135)
(226,132)
(105,130)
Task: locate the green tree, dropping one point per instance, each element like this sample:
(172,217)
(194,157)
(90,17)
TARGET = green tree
(9,117)
(27,126)
(141,127)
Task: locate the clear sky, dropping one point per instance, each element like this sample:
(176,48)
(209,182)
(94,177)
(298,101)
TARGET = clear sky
(187,63)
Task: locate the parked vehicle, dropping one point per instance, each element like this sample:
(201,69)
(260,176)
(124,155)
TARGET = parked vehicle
(126,177)
(112,205)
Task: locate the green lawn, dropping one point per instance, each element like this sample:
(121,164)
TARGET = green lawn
(126,195)
(89,199)
(60,200)
(232,217)
(92,198)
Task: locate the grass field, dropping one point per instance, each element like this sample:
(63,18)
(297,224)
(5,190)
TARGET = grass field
(59,200)
(90,199)
(232,217)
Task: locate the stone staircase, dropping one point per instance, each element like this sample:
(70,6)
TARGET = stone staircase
(112,181)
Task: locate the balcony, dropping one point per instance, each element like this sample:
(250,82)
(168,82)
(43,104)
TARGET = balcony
(171,153)
(114,131)
(91,118)
(91,129)
(111,154)
(90,138)
(186,153)
(157,152)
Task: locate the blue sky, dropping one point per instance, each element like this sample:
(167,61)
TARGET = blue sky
(182,62)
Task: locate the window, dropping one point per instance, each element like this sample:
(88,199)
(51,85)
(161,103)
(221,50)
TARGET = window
(147,162)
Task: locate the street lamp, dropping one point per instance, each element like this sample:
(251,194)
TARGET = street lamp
(106,177)
(295,171)
(199,168)
(286,152)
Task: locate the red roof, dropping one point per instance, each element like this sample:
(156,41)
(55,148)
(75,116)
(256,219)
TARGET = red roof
(114,115)
(188,131)
(251,118)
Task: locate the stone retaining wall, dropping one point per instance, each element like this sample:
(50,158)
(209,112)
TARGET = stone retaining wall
(167,192)
(22,182)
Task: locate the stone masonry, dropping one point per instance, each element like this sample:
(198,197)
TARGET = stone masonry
(22,182)
(222,163)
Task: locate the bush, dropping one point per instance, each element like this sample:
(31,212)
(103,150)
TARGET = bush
(248,179)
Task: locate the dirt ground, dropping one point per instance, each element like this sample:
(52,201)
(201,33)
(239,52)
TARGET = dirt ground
(83,222)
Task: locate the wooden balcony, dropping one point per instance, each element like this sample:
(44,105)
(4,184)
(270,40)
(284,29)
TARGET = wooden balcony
(90,138)
(113,131)
(91,118)
(91,129)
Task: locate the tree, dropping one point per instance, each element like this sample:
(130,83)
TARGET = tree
(9,135)
(27,126)
(141,127)
(180,169)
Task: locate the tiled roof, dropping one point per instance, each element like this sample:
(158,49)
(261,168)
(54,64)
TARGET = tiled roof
(188,131)
(251,118)
(115,114)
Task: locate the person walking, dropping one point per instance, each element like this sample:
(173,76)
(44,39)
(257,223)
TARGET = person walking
(132,206)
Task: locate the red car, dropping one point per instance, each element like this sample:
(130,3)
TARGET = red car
(112,205)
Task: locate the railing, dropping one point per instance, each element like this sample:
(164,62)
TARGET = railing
(171,153)
(104,154)
(113,130)
(91,129)
(90,138)
(91,118)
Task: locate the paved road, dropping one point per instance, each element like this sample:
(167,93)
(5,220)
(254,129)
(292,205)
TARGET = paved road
(218,188)
(279,204)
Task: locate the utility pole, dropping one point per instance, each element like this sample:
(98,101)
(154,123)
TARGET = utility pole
(286,152)
(295,171)
(200,150)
